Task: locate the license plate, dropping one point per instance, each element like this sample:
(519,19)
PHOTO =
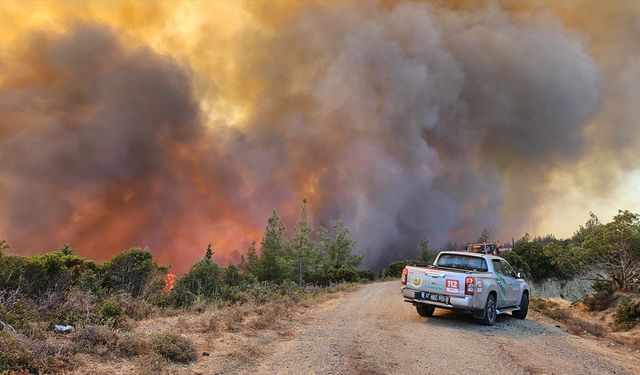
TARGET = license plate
(432,297)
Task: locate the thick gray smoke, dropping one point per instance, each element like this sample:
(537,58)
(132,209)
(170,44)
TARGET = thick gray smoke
(91,147)
(420,121)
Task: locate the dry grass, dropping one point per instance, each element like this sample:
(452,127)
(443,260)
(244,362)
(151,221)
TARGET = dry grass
(572,324)
(174,348)
(132,345)
(234,336)
(246,353)
(21,354)
(92,339)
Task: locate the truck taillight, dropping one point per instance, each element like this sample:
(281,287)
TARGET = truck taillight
(405,271)
(469,286)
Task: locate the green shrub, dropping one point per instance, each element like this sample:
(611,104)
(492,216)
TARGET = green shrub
(174,348)
(516,262)
(365,275)
(35,276)
(394,269)
(111,309)
(17,312)
(232,275)
(628,313)
(202,281)
(128,271)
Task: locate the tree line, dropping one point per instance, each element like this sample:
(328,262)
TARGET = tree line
(607,253)
(312,256)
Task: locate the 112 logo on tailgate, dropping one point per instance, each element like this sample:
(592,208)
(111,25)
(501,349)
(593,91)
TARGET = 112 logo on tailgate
(452,286)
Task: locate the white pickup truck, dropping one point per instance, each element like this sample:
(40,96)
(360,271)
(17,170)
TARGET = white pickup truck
(482,284)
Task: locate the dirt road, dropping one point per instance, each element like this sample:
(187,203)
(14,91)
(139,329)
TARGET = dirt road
(372,331)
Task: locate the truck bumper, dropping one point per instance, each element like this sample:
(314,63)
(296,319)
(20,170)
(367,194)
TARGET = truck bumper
(455,303)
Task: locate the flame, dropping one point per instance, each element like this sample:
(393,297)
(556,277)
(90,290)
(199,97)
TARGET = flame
(169,280)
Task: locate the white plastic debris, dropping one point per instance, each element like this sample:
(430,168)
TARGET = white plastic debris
(62,328)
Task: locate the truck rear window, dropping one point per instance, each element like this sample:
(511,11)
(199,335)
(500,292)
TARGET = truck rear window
(462,262)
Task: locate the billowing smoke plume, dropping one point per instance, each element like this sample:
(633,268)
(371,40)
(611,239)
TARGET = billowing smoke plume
(102,147)
(401,120)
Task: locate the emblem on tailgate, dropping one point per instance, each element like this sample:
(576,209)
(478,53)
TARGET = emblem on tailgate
(416,281)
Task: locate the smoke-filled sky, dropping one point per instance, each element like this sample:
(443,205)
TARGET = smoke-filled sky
(172,125)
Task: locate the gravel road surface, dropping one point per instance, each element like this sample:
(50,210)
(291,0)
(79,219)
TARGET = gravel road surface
(372,331)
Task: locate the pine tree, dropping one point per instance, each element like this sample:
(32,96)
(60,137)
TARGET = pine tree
(302,240)
(425,253)
(232,276)
(485,236)
(276,261)
(208,256)
(66,249)
(250,262)
(341,247)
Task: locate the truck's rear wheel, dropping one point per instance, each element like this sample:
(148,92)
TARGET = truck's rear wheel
(524,307)
(425,310)
(490,311)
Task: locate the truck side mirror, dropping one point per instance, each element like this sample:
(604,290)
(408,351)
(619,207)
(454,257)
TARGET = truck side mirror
(519,275)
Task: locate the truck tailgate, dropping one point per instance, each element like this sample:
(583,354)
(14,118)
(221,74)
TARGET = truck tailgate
(435,280)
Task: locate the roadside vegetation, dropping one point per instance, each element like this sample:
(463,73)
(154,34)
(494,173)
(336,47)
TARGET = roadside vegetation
(105,302)
(608,255)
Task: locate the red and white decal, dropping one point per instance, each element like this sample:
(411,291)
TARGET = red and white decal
(452,286)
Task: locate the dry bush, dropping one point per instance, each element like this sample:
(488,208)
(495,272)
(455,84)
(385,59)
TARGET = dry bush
(246,353)
(235,315)
(263,322)
(132,345)
(137,309)
(153,364)
(212,323)
(270,314)
(19,353)
(79,307)
(174,347)
(630,341)
(628,314)
(92,339)
(599,301)
(541,304)
(579,326)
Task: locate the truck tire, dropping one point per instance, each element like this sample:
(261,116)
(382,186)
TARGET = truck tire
(490,313)
(425,310)
(524,307)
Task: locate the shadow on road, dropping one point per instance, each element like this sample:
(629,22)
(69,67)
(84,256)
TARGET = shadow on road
(506,325)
